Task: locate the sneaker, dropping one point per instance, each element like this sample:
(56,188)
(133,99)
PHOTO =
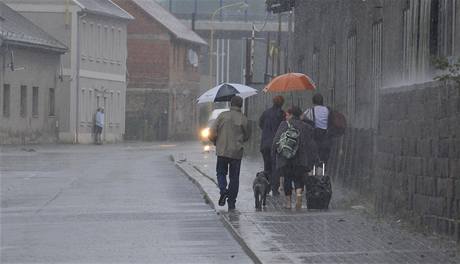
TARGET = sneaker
(222,199)
(231,206)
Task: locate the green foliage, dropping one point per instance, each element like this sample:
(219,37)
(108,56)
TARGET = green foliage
(449,70)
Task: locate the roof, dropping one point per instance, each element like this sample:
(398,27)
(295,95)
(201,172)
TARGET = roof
(104,7)
(18,30)
(169,21)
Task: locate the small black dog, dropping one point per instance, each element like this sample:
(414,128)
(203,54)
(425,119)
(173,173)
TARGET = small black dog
(261,187)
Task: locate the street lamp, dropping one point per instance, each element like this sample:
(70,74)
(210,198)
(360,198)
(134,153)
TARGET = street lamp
(211,48)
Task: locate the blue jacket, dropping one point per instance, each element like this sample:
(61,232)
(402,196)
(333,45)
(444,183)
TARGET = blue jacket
(269,122)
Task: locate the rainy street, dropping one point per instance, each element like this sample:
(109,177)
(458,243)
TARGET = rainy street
(106,204)
(230,131)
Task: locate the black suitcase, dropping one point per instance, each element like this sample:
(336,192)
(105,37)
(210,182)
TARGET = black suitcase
(318,190)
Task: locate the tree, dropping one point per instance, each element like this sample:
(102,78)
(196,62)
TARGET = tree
(449,69)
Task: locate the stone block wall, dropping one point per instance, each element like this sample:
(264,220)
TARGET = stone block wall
(417,158)
(410,165)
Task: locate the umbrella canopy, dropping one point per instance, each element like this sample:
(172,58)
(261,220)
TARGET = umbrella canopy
(290,82)
(225,91)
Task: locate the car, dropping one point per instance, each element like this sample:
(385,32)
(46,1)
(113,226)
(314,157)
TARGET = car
(204,132)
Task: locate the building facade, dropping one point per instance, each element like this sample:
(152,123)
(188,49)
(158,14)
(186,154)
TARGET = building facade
(373,60)
(352,49)
(164,78)
(30,61)
(94,70)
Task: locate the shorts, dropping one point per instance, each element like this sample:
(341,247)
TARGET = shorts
(98,130)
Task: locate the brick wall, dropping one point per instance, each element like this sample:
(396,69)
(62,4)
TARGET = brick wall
(162,85)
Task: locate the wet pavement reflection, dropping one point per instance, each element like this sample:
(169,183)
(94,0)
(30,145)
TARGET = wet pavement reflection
(343,234)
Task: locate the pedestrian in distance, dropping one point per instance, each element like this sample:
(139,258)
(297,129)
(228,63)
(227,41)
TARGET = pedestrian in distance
(228,133)
(318,117)
(295,152)
(99,125)
(269,122)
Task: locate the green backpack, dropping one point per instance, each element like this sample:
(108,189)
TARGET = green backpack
(288,144)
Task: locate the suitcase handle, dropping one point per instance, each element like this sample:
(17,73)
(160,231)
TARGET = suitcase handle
(314,169)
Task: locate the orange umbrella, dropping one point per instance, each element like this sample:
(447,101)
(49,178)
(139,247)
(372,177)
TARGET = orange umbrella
(290,82)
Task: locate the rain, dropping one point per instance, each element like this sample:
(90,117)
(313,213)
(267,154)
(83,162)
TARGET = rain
(230,131)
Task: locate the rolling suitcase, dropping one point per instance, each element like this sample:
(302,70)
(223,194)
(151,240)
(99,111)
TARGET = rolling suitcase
(318,189)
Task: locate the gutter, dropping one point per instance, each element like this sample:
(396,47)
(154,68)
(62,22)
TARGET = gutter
(77,77)
(33,45)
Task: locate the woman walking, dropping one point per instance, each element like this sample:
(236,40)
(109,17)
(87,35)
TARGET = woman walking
(299,162)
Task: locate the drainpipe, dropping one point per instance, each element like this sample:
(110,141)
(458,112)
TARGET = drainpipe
(77,77)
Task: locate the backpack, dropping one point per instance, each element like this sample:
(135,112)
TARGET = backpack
(336,123)
(288,144)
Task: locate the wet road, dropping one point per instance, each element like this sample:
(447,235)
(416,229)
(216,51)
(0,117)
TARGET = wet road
(106,204)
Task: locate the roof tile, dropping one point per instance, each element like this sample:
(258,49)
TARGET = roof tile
(173,24)
(16,28)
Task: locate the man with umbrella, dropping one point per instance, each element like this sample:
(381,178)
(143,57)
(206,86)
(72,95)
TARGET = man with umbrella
(228,133)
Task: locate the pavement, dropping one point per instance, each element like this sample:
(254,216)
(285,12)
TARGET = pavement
(124,203)
(346,233)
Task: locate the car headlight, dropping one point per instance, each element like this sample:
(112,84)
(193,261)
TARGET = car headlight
(205,133)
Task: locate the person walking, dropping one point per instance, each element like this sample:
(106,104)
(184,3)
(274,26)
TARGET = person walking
(318,117)
(269,122)
(295,168)
(99,125)
(228,133)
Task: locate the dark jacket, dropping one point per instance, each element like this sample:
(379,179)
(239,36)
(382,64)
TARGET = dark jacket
(229,132)
(307,153)
(269,122)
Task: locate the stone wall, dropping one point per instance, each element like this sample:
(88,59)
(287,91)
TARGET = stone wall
(417,161)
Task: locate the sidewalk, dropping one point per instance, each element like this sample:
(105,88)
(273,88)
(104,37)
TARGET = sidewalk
(339,235)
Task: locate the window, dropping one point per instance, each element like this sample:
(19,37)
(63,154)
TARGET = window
(51,102)
(82,107)
(111,108)
(23,101)
(301,64)
(331,74)
(119,109)
(442,28)
(99,43)
(407,47)
(35,101)
(84,40)
(416,40)
(120,50)
(6,100)
(315,66)
(351,74)
(105,42)
(91,48)
(376,67)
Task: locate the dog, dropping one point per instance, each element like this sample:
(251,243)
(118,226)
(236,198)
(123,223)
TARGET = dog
(261,187)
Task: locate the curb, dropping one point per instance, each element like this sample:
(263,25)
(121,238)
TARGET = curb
(251,254)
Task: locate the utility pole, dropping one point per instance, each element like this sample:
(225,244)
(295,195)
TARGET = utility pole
(248,71)
(194,15)
(267,55)
(278,57)
(289,41)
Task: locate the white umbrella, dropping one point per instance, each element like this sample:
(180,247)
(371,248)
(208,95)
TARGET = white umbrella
(225,91)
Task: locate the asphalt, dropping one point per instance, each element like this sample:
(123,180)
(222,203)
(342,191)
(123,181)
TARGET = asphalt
(346,233)
(106,204)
